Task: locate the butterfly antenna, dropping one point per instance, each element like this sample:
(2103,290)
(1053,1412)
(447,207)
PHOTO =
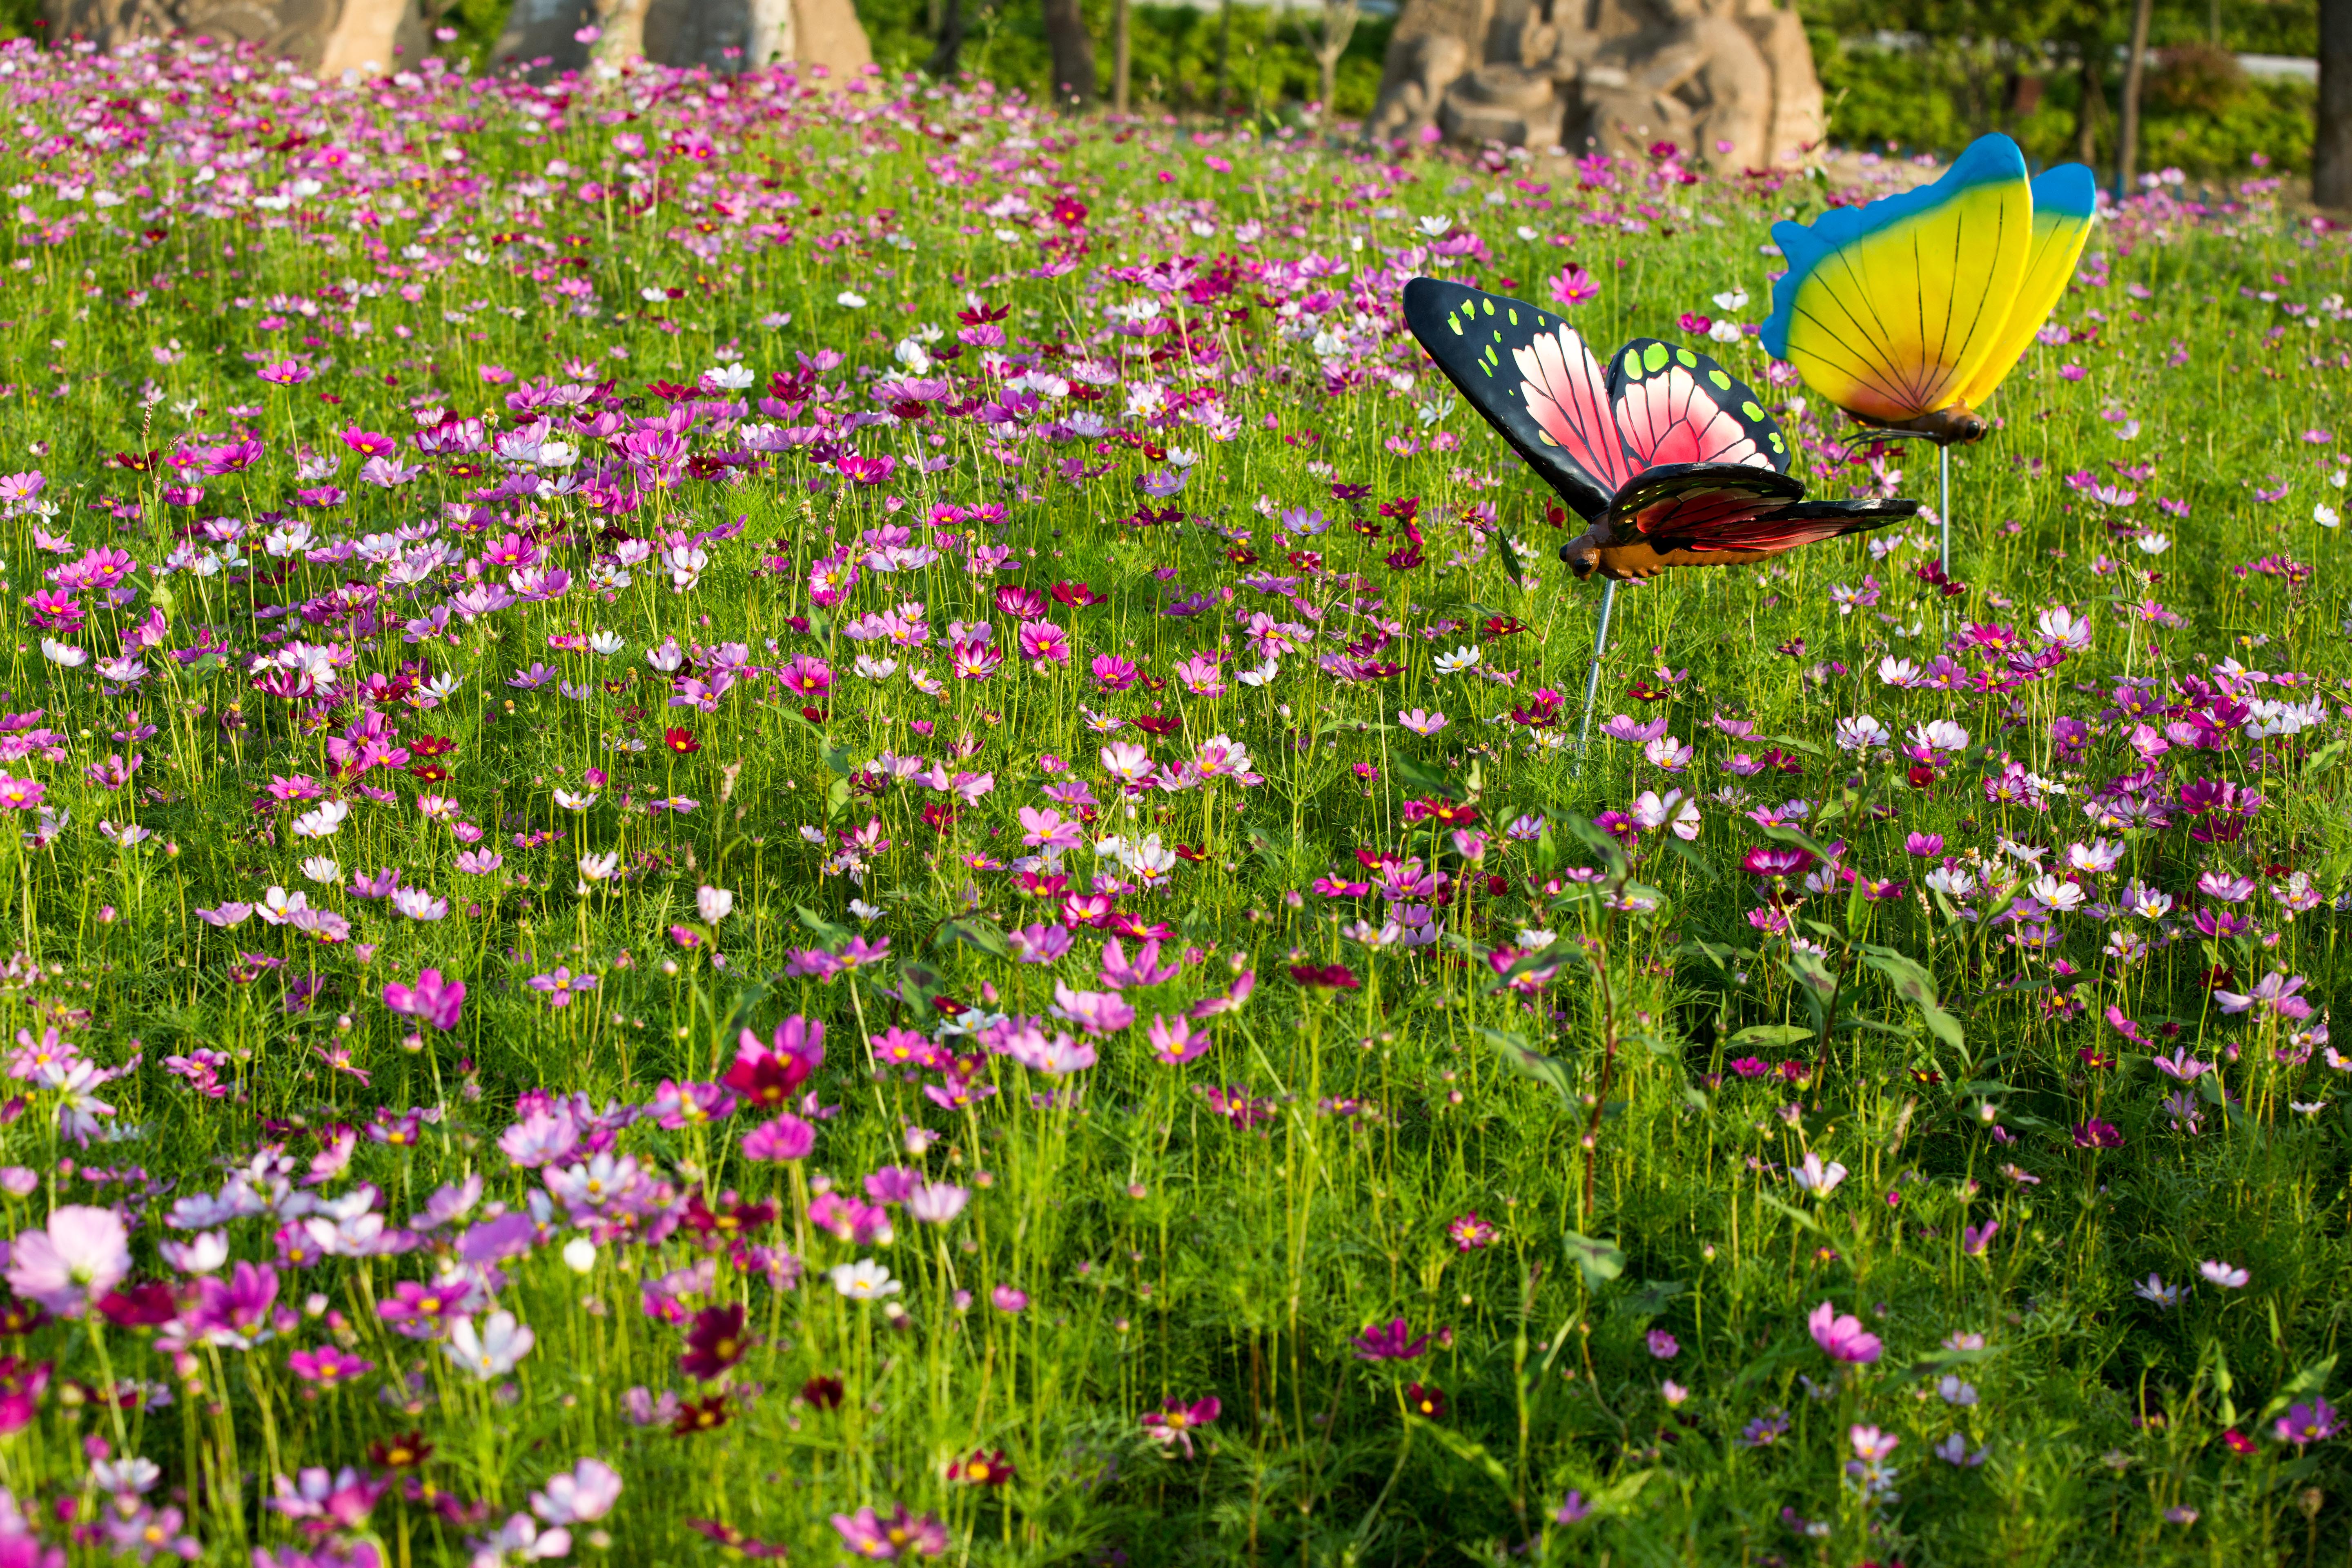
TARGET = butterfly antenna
(1592,674)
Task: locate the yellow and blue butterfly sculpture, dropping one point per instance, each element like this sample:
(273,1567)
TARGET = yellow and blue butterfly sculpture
(1907,312)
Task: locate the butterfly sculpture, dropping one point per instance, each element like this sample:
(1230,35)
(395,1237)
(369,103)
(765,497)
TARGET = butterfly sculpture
(1672,460)
(1907,312)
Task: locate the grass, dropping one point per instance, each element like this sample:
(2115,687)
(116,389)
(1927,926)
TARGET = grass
(1473,1228)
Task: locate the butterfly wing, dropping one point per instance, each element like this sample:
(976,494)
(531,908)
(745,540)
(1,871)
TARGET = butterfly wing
(2064,200)
(1709,507)
(1675,405)
(1893,309)
(1529,375)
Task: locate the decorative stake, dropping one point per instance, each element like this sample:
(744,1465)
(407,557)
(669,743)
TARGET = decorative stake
(1593,673)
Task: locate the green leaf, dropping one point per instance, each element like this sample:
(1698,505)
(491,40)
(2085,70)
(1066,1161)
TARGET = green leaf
(1598,1261)
(1525,1060)
(1800,1215)
(1651,1297)
(1724,957)
(918,984)
(1782,832)
(2311,1380)
(1461,1447)
(824,929)
(1916,986)
(1772,1036)
(974,933)
(1422,779)
(2323,758)
(1611,853)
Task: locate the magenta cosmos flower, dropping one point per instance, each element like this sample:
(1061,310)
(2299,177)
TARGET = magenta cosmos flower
(1841,1336)
(82,1255)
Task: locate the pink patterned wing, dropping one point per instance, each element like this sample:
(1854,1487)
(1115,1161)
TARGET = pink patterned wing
(1569,398)
(1668,418)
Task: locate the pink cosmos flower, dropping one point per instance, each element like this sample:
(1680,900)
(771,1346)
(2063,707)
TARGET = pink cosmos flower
(84,1253)
(1841,1336)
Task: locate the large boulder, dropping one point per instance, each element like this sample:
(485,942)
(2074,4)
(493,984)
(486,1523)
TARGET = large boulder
(323,34)
(1730,81)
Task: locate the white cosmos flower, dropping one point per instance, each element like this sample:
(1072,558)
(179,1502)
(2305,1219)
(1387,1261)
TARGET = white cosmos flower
(494,1349)
(319,823)
(1460,660)
(864,1280)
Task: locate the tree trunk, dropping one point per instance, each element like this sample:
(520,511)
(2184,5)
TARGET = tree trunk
(1118,56)
(624,31)
(1074,54)
(1330,43)
(2331,163)
(1224,56)
(950,48)
(2134,70)
(2091,107)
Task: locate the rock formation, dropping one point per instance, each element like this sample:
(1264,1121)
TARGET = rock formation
(1729,81)
(323,34)
(335,36)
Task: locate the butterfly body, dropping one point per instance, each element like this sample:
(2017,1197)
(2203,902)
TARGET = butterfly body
(1671,459)
(1908,311)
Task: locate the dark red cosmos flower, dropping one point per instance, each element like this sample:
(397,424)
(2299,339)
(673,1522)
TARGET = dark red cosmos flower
(766,1078)
(823,1393)
(428,772)
(405,1452)
(701,1416)
(140,1306)
(714,1343)
(1325,977)
(1069,212)
(1426,1401)
(1160,724)
(682,741)
(988,1469)
(729,1218)
(2238,1442)
(939,817)
(729,1536)
(1919,777)
(1076,595)
(431,746)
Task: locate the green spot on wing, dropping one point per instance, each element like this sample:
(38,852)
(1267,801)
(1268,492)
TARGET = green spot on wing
(1514,315)
(1489,304)
(1751,411)
(1722,382)
(1634,364)
(1655,356)
(1684,358)
(1455,325)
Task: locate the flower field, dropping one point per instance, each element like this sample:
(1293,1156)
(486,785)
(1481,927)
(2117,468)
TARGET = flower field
(749,822)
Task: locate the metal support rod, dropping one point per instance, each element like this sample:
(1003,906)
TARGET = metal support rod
(1592,674)
(1944,502)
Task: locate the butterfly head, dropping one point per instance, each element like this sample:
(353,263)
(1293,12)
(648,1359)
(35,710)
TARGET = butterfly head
(1956,426)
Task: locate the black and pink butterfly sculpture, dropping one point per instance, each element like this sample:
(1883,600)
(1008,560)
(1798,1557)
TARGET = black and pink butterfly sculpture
(1671,459)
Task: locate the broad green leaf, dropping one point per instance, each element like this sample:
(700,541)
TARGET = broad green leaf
(1598,1261)
(1916,986)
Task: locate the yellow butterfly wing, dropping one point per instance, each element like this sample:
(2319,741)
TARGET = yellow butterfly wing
(1893,309)
(2064,200)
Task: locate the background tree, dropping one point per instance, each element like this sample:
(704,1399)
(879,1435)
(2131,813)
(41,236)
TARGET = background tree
(2134,75)
(2331,148)
(1074,54)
